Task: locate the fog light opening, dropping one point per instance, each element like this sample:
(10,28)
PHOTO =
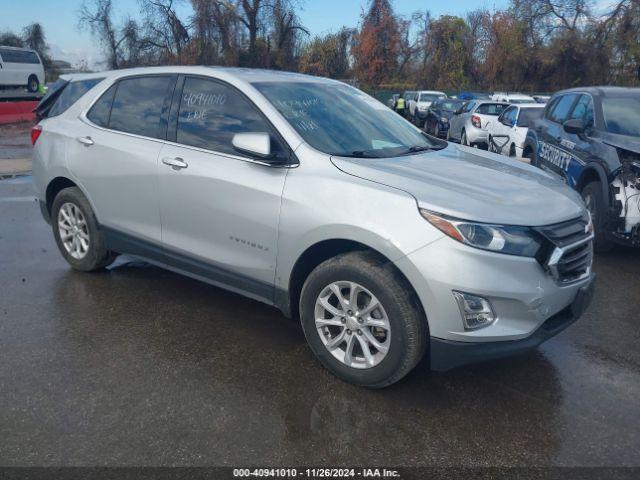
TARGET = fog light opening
(476,311)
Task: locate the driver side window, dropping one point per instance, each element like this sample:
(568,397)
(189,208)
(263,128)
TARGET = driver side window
(584,110)
(211,113)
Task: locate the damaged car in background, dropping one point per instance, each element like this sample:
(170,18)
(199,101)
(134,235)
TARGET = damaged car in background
(591,138)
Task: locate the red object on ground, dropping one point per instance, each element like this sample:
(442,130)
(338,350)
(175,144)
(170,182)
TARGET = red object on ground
(13,112)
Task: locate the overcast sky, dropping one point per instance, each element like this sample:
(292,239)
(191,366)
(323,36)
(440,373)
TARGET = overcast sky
(319,16)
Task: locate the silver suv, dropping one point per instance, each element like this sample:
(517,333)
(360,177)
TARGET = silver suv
(307,194)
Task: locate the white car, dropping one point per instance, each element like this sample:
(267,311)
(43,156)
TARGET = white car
(20,67)
(512,98)
(507,134)
(420,103)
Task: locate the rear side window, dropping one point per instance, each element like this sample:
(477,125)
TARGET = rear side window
(211,113)
(491,109)
(560,110)
(70,95)
(18,56)
(138,105)
(99,113)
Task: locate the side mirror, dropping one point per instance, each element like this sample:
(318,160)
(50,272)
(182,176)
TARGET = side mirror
(575,126)
(256,144)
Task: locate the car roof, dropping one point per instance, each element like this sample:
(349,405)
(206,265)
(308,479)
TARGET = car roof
(249,75)
(529,105)
(437,92)
(602,90)
(17,48)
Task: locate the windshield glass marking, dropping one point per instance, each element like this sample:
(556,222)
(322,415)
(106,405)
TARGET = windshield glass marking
(341,120)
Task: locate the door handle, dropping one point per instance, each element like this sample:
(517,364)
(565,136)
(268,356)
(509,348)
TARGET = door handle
(176,163)
(86,141)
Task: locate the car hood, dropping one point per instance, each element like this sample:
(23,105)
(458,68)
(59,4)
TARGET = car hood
(626,142)
(474,185)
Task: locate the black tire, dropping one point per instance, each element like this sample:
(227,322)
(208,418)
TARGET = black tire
(463,138)
(593,199)
(97,256)
(33,84)
(512,151)
(409,329)
(530,153)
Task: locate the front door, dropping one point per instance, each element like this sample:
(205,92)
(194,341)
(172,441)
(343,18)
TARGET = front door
(219,208)
(553,152)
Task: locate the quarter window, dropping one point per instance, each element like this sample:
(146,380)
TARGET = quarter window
(70,95)
(560,111)
(99,113)
(211,113)
(138,105)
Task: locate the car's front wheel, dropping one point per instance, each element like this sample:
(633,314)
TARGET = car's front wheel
(362,319)
(76,231)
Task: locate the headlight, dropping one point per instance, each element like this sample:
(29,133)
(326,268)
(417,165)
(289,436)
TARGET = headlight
(444,119)
(422,108)
(507,239)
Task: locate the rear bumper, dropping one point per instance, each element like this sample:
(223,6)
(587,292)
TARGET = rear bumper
(448,354)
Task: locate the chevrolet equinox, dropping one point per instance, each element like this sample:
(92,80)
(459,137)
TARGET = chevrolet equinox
(307,194)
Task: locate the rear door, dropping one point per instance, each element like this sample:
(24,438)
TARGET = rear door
(500,129)
(219,207)
(114,154)
(554,154)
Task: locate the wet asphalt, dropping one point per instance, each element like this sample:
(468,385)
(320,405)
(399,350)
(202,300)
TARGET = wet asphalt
(140,366)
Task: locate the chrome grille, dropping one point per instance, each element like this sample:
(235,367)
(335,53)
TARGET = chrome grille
(572,249)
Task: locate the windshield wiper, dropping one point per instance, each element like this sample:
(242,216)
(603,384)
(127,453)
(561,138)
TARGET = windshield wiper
(416,149)
(356,154)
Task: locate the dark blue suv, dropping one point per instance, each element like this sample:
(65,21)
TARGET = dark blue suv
(591,138)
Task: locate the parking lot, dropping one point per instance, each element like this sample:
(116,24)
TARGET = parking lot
(139,366)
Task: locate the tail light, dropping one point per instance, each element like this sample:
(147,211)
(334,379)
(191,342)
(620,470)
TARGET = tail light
(35,133)
(475,121)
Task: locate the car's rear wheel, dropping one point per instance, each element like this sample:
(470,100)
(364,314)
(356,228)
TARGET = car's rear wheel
(463,138)
(77,233)
(594,201)
(32,83)
(362,320)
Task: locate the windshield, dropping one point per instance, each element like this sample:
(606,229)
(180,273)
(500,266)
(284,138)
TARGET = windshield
(621,114)
(341,120)
(430,97)
(527,115)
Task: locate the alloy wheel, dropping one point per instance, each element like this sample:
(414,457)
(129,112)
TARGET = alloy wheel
(352,324)
(74,231)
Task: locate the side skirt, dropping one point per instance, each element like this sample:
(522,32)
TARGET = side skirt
(190,266)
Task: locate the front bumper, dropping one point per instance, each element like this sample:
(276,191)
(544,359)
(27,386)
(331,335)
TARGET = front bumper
(448,354)
(523,295)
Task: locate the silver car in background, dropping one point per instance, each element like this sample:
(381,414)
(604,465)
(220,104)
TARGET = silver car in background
(469,124)
(307,194)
